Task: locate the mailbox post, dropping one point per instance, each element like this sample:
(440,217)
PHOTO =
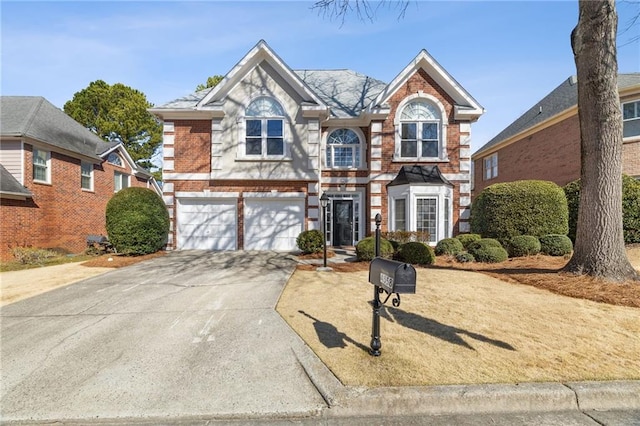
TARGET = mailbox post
(391,277)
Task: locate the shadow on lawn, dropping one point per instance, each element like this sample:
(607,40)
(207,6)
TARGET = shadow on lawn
(330,336)
(436,329)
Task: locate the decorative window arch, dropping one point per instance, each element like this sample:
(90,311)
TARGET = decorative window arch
(421,129)
(115,159)
(264,128)
(344,149)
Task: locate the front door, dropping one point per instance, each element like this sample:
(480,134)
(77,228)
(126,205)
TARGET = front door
(343,222)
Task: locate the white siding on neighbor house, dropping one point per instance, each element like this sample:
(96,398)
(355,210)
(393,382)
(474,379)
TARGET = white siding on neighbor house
(11,157)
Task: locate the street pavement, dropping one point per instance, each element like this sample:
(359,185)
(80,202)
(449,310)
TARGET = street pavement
(193,338)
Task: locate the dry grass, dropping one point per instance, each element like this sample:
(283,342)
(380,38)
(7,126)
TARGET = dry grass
(464,327)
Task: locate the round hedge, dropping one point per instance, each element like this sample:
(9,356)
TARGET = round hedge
(416,253)
(555,245)
(523,245)
(137,221)
(310,241)
(467,239)
(527,207)
(630,208)
(366,248)
(465,257)
(488,250)
(449,246)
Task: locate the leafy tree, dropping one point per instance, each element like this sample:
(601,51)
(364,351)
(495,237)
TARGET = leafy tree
(211,82)
(118,113)
(599,249)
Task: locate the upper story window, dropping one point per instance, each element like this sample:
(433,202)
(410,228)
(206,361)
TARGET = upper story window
(114,159)
(491,166)
(120,181)
(420,131)
(631,119)
(86,176)
(343,149)
(264,135)
(41,166)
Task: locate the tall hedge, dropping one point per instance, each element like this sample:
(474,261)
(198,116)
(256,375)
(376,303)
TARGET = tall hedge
(630,208)
(527,207)
(137,221)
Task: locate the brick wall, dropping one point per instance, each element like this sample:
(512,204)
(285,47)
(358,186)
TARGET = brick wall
(192,146)
(631,158)
(60,214)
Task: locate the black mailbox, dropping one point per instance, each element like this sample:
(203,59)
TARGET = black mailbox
(392,276)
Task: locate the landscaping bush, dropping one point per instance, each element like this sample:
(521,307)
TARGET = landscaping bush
(528,207)
(555,245)
(137,221)
(630,208)
(467,239)
(310,241)
(523,245)
(488,250)
(366,248)
(465,257)
(32,256)
(449,246)
(416,253)
(402,237)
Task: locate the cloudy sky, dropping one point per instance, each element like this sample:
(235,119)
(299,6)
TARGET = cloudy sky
(507,54)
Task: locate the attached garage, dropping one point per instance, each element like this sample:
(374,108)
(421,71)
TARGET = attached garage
(206,224)
(273,223)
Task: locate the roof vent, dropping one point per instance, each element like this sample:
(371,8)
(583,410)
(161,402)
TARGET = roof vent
(573,80)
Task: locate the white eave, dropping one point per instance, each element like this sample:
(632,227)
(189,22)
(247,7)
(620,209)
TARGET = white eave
(14,195)
(206,113)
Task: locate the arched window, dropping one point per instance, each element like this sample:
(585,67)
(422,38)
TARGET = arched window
(343,148)
(115,159)
(420,123)
(264,128)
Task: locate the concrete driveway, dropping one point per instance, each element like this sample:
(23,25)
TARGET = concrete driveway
(190,334)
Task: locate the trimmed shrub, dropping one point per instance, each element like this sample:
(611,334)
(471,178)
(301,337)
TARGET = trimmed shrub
(555,245)
(488,250)
(467,239)
(366,249)
(137,221)
(527,207)
(310,241)
(402,237)
(465,257)
(630,208)
(417,253)
(523,245)
(449,246)
(484,242)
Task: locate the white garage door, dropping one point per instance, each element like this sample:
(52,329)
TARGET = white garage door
(206,224)
(272,224)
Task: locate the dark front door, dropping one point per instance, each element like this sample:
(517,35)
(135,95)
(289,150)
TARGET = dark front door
(342,222)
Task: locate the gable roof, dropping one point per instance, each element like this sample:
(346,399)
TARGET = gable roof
(560,99)
(10,186)
(417,174)
(466,107)
(37,118)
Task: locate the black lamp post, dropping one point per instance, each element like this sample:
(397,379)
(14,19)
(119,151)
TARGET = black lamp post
(324,201)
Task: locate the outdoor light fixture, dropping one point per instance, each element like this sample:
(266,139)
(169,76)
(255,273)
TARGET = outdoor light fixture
(324,201)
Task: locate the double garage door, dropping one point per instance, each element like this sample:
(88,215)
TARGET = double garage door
(269,224)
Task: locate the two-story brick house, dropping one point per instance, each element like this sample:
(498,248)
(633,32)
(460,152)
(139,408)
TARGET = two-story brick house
(56,177)
(544,142)
(245,163)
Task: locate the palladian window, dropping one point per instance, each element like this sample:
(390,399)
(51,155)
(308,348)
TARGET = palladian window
(420,131)
(343,149)
(264,130)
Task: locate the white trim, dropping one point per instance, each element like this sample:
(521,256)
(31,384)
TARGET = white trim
(345,180)
(274,195)
(207,194)
(186,176)
(245,176)
(362,146)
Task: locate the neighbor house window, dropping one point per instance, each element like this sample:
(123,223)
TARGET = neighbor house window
(343,149)
(264,132)
(420,124)
(86,176)
(120,181)
(400,214)
(114,159)
(427,217)
(41,166)
(491,166)
(631,119)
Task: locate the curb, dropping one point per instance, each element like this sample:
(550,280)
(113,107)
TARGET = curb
(603,396)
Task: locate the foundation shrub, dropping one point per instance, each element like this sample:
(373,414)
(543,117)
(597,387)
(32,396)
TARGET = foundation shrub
(523,245)
(555,245)
(465,257)
(310,241)
(31,255)
(366,249)
(488,250)
(467,239)
(449,246)
(416,253)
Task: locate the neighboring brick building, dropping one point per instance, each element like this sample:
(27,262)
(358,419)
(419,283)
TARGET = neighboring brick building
(56,177)
(544,143)
(246,163)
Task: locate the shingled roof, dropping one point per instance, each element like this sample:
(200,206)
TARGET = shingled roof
(419,174)
(560,99)
(9,185)
(37,118)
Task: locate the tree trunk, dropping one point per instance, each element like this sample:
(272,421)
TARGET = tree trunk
(599,250)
